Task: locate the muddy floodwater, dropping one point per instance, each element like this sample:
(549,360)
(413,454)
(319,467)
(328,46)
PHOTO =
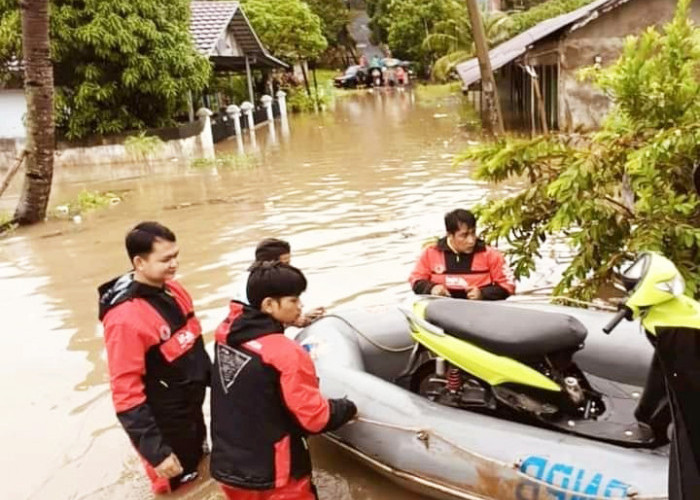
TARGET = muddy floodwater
(355,190)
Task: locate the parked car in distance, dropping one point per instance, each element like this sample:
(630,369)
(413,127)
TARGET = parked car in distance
(353,77)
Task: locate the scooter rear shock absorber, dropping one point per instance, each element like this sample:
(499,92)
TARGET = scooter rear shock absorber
(454,379)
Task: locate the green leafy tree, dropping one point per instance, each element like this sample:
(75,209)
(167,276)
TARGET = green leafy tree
(377,12)
(623,189)
(409,22)
(521,21)
(334,16)
(288,28)
(118,64)
(452,39)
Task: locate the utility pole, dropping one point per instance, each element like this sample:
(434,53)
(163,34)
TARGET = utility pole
(492,111)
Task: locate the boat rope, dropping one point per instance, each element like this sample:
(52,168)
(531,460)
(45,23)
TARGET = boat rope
(368,338)
(425,434)
(562,298)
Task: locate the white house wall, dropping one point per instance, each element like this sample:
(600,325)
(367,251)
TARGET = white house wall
(227,46)
(581,105)
(13,107)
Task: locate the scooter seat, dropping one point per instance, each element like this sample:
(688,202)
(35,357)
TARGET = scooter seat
(504,330)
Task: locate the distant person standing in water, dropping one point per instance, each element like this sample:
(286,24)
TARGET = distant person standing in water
(273,250)
(158,368)
(461,265)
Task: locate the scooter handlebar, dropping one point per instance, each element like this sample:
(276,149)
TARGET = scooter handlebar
(621,314)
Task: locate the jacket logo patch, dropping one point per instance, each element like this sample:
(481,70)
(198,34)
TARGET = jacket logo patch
(439,269)
(231,363)
(165,332)
(185,339)
(455,282)
(177,345)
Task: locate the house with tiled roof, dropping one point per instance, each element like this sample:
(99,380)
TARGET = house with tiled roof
(220,31)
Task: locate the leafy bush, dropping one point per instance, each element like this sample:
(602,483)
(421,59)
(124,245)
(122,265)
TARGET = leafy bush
(143,145)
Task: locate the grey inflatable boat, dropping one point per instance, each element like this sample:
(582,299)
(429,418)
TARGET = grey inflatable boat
(449,452)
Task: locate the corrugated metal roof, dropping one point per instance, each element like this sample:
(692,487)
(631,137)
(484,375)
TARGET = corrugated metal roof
(506,52)
(210,20)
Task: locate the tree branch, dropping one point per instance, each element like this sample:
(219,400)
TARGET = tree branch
(618,204)
(12,171)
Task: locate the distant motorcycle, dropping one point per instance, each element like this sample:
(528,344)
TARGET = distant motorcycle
(376,77)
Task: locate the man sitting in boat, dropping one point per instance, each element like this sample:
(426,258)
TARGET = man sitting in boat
(460,265)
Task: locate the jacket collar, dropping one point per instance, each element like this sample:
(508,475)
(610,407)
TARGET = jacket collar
(442,245)
(121,289)
(246,323)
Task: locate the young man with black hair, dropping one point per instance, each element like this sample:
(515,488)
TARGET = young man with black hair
(157,363)
(274,250)
(265,397)
(461,265)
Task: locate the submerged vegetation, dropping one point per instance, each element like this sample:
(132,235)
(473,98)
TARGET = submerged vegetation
(86,201)
(621,190)
(229,161)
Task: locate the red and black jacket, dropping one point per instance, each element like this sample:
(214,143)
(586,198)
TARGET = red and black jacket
(265,400)
(158,368)
(484,268)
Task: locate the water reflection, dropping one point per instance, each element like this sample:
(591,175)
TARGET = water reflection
(356,191)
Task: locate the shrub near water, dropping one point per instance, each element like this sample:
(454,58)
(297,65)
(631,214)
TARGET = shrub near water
(619,191)
(143,145)
(86,201)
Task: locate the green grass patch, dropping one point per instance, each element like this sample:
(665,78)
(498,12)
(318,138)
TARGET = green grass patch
(229,161)
(436,92)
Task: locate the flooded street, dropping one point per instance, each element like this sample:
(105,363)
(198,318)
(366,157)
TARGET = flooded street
(356,191)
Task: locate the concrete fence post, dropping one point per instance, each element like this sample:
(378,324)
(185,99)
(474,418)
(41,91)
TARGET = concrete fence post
(282,100)
(234,112)
(266,102)
(247,109)
(206,138)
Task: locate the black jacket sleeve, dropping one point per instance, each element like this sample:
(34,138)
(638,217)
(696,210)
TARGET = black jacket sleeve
(342,411)
(494,292)
(140,425)
(423,287)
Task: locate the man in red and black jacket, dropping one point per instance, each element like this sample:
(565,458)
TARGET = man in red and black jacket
(265,397)
(157,363)
(462,266)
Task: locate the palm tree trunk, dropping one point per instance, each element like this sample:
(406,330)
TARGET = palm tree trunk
(38,90)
